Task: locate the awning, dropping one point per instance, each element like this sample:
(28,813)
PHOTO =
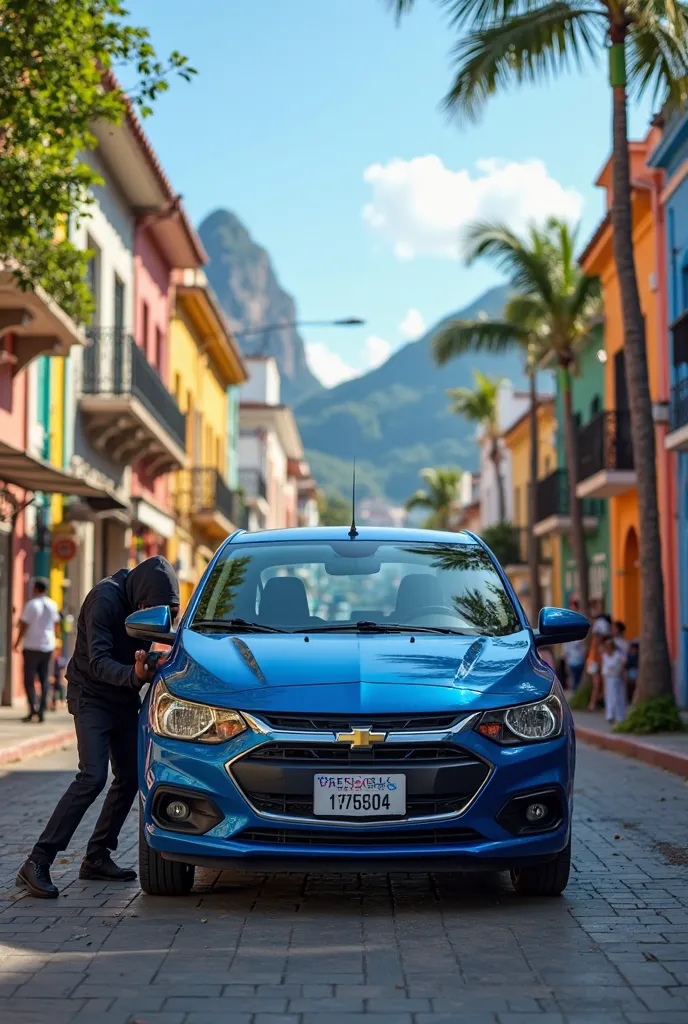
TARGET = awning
(33,474)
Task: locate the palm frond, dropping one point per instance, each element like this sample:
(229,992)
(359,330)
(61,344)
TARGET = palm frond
(460,336)
(527,47)
(658,59)
(527,267)
(419,500)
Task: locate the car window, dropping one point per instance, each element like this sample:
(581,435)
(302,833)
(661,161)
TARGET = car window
(304,584)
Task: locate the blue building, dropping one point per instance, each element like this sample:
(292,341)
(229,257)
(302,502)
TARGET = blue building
(671,156)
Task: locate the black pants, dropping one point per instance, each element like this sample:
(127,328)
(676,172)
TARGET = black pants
(36,663)
(103,734)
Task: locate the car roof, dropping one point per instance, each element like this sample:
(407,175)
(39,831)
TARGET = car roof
(365,533)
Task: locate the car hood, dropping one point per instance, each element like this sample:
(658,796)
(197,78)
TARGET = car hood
(351,673)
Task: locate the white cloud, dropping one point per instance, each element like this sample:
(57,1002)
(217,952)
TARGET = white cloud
(413,325)
(420,207)
(331,369)
(328,366)
(377,351)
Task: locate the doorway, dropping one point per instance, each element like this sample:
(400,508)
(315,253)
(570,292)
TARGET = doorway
(631,588)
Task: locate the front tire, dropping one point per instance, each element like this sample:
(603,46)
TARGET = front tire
(548,879)
(160,877)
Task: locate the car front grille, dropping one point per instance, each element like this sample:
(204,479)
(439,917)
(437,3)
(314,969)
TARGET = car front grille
(341,755)
(277,778)
(362,840)
(344,723)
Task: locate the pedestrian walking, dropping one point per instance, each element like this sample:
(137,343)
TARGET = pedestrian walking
(37,637)
(613,667)
(632,665)
(593,667)
(575,654)
(58,689)
(104,675)
(619,634)
(601,622)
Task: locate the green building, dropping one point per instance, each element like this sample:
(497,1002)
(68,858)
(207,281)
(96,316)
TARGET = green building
(588,401)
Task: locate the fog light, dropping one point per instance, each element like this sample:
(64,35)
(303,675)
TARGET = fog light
(177,810)
(536,812)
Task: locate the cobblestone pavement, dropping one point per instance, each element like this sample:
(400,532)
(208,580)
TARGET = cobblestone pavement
(400,950)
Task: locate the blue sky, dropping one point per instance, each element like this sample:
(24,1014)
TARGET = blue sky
(318,123)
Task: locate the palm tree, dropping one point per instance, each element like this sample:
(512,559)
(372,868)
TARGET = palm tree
(550,312)
(507,42)
(440,497)
(480,405)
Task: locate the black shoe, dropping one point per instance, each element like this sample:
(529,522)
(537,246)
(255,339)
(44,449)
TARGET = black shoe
(30,717)
(36,878)
(104,870)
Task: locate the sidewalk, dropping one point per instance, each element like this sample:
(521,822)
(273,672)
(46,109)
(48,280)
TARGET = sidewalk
(667,750)
(21,739)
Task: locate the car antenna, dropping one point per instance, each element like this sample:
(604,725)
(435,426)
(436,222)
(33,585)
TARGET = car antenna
(353,532)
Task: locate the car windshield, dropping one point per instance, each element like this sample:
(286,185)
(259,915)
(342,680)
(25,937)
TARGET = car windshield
(355,585)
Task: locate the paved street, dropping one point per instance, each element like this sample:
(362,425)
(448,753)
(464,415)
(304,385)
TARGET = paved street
(405,950)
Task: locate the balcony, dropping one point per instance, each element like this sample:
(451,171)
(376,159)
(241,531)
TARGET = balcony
(677,438)
(128,413)
(518,556)
(204,500)
(553,508)
(255,491)
(605,456)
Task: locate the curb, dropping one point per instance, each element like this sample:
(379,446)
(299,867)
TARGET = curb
(36,746)
(659,757)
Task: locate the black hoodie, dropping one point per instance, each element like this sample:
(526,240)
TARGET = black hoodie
(101,669)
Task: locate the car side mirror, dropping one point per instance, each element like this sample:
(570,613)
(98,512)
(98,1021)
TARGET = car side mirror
(154,624)
(560,626)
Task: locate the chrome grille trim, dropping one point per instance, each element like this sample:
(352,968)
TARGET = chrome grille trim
(308,737)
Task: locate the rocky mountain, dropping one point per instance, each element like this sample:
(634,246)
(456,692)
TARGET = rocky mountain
(395,420)
(244,280)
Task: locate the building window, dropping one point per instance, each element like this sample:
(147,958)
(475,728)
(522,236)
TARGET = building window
(595,406)
(158,349)
(144,327)
(93,278)
(178,389)
(548,463)
(118,306)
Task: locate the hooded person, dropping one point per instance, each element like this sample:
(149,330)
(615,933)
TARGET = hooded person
(104,676)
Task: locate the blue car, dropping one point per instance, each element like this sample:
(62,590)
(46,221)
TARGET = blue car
(423,732)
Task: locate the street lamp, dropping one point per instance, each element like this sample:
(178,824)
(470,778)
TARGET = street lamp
(347,321)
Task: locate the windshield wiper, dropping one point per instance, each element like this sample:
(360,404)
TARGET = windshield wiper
(381,627)
(233,625)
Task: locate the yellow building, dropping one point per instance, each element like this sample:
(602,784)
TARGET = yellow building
(517,441)
(205,364)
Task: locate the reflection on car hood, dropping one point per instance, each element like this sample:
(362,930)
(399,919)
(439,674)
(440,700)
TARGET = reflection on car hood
(349,673)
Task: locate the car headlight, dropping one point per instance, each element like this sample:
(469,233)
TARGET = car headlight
(185,720)
(527,723)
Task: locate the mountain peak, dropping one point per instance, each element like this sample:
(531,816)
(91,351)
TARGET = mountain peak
(243,278)
(396,419)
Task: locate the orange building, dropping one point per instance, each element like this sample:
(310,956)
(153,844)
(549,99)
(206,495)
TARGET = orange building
(605,448)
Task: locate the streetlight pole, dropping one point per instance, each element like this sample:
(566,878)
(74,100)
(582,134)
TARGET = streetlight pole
(348,321)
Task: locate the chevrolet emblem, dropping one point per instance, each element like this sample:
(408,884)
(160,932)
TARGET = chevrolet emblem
(361,738)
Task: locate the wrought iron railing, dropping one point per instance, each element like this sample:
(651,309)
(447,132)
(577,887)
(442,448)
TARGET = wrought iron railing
(552,498)
(113,364)
(605,444)
(252,483)
(202,491)
(678,409)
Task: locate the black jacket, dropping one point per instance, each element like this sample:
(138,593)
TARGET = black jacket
(101,668)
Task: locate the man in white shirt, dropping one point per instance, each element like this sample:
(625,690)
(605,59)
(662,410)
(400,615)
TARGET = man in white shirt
(37,634)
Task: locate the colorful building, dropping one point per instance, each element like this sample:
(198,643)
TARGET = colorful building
(671,157)
(205,369)
(32,326)
(517,443)
(605,450)
(587,395)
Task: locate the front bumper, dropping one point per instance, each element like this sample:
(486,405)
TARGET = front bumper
(470,834)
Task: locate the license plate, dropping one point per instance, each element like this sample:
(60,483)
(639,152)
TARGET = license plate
(359,796)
